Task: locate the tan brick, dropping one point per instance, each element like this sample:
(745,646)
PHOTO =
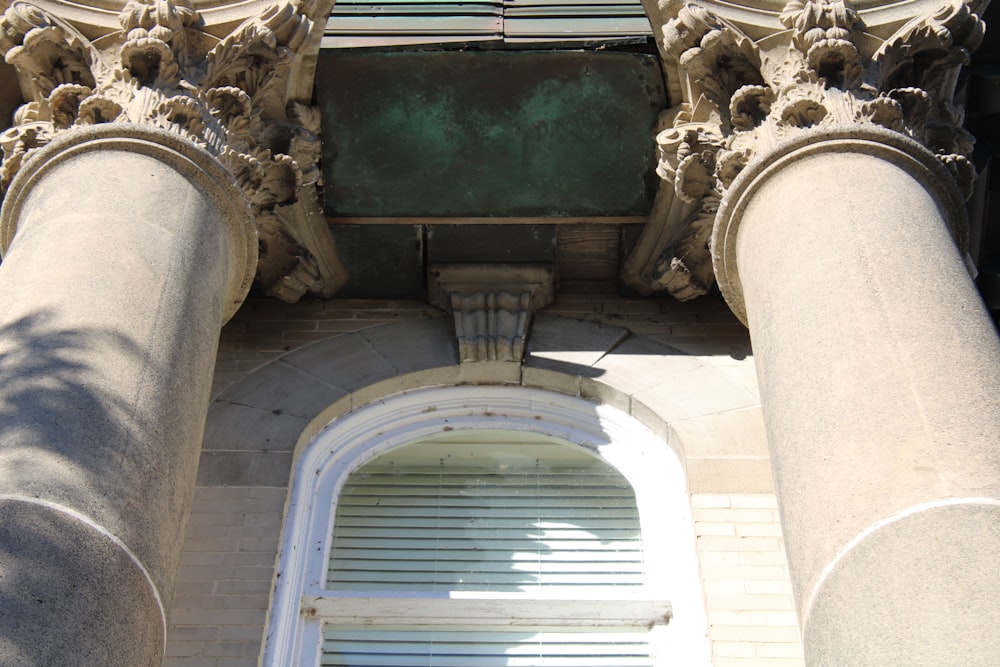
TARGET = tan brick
(782,587)
(720,557)
(775,650)
(710,500)
(722,543)
(738,515)
(725,617)
(776,618)
(765,558)
(249,559)
(714,528)
(723,587)
(747,602)
(758,529)
(241,633)
(733,649)
(253,573)
(211,544)
(754,501)
(205,572)
(233,649)
(212,617)
(723,661)
(756,633)
(243,586)
(189,662)
(245,661)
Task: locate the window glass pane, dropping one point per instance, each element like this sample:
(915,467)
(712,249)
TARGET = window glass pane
(480,512)
(429,647)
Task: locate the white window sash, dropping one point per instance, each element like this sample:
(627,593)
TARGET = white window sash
(482,611)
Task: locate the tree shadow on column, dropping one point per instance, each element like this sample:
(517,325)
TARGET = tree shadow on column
(65,435)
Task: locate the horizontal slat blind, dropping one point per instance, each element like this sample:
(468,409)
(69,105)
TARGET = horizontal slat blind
(356,23)
(546,525)
(348,647)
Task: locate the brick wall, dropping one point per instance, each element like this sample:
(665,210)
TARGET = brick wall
(224,584)
(748,595)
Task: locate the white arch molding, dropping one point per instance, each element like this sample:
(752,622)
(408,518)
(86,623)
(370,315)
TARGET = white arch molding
(346,443)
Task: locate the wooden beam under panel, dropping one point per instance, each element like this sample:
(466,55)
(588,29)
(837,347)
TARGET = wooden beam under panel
(539,220)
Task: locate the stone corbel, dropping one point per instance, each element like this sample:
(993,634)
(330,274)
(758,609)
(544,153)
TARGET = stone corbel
(227,90)
(740,89)
(491,305)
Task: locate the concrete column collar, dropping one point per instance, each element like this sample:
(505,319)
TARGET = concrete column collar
(196,165)
(893,147)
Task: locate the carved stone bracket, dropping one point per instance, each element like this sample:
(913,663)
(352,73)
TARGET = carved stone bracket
(491,305)
(737,97)
(163,69)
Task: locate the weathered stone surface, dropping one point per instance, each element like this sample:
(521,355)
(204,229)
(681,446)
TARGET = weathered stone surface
(232,426)
(56,566)
(929,585)
(413,346)
(876,416)
(273,384)
(569,346)
(220,468)
(729,433)
(693,393)
(719,475)
(629,365)
(346,367)
(112,307)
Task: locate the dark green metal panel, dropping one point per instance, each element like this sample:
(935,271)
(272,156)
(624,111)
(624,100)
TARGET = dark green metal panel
(488,133)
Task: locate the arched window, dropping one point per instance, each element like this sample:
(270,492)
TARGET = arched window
(487,526)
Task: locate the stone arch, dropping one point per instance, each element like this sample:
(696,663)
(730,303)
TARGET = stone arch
(256,426)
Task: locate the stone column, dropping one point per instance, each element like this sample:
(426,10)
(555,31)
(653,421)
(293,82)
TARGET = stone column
(131,247)
(141,178)
(879,372)
(827,165)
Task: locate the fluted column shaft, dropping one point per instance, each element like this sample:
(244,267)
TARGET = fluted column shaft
(124,250)
(879,373)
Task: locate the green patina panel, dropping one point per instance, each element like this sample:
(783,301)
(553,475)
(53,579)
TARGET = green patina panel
(488,133)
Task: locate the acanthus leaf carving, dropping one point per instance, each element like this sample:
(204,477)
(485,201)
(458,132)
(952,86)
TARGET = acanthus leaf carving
(736,98)
(226,95)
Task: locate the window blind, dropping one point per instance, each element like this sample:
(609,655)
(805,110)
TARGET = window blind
(346,647)
(555,521)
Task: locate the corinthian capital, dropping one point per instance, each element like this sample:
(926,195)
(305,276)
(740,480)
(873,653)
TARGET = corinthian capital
(741,87)
(226,94)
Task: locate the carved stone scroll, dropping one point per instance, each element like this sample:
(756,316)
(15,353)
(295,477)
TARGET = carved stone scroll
(226,95)
(491,306)
(737,97)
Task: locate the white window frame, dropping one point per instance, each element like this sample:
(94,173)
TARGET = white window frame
(301,605)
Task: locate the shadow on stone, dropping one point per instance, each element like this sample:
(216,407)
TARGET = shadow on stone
(69,452)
